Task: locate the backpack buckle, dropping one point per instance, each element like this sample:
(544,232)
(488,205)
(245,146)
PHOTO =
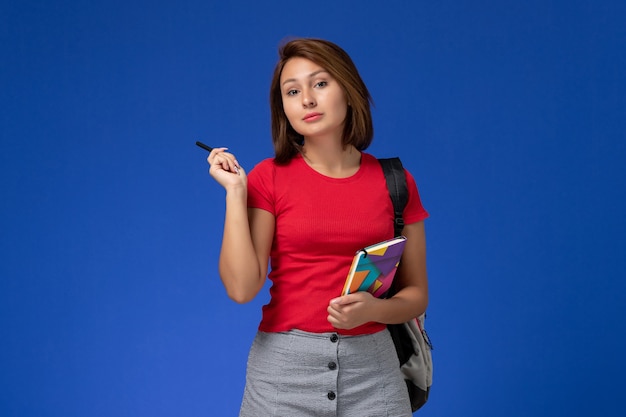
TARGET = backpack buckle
(399,223)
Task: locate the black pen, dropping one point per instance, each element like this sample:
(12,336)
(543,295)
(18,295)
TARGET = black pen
(203,146)
(208,148)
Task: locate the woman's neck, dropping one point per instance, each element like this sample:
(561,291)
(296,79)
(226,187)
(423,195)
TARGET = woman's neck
(331,160)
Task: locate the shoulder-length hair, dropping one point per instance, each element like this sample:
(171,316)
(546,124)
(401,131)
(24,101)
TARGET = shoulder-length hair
(358,127)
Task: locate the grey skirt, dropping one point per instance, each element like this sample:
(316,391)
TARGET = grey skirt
(295,373)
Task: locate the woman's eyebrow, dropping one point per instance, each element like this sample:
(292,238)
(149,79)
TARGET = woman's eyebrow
(311,75)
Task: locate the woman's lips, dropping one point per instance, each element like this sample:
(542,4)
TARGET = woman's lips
(311,117)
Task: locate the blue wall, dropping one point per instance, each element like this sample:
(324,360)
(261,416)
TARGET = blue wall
(511,115)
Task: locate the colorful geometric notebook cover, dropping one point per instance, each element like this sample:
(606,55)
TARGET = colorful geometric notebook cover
(374,267)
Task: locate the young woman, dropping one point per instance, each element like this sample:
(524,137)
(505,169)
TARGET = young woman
(306,212)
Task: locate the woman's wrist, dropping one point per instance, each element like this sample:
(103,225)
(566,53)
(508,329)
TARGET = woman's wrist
(236,191)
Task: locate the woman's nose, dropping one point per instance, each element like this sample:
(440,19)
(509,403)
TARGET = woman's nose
(307,99)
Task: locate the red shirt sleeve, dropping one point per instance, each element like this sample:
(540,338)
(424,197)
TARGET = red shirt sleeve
(414,211)
(261,186)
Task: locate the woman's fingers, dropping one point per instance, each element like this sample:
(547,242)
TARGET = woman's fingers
(224,160)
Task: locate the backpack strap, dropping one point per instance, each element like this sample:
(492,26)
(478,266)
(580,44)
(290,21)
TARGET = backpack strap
(398,191)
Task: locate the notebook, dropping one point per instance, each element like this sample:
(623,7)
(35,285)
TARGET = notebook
(374,267)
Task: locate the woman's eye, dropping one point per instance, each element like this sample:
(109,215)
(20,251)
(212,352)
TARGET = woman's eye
(322,84)
(292,92)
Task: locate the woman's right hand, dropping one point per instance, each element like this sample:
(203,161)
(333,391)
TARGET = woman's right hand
(225,169)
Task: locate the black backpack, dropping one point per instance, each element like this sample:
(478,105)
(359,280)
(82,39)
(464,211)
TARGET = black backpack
(410,339)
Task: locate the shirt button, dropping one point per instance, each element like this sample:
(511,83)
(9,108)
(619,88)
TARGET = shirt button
(334,338)
(331,395)
(332,366)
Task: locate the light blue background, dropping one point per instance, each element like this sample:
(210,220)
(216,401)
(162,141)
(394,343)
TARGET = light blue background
(511,115)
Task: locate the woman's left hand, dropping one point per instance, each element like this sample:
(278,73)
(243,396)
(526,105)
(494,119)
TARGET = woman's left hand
(352,310)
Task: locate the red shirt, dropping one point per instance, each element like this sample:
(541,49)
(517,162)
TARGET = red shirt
(320,223)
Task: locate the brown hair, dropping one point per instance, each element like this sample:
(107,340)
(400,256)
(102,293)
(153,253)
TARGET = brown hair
(358,129)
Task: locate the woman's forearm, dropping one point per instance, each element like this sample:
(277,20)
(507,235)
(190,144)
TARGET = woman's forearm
(409,303)
(239,268)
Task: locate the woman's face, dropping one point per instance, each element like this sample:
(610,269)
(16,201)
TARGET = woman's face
(314,102)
